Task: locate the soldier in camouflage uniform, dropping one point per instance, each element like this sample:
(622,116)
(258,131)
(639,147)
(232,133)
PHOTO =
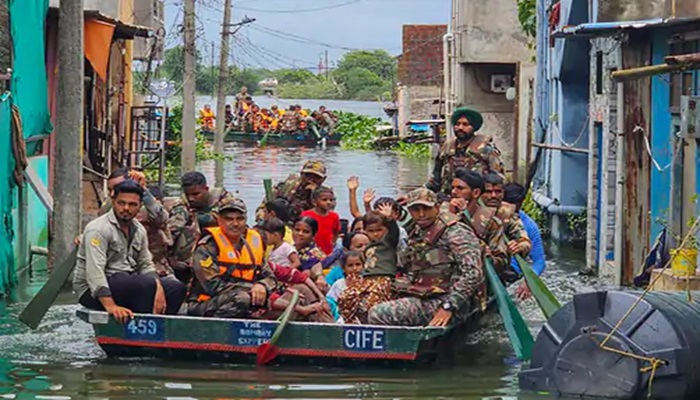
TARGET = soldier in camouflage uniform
(443,269)
(232,279)
(467,150)
(289,123)
(297,190)
(518,241)
(467,187)
(192,212)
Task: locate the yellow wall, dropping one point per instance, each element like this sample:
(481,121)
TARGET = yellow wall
(127,15)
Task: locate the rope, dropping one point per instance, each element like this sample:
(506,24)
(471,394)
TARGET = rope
(19,147)
(654,362)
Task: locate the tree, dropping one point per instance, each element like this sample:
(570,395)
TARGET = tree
(295,76)
(378,62)
(360,80)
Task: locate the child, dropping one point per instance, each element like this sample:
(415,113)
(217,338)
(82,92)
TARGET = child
(282,253)
(356,241)
(323,200)
(279,208)
(311,257)
(380,267)
(352,264)
(396,216)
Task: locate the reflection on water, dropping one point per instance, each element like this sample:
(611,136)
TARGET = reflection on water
(60,360)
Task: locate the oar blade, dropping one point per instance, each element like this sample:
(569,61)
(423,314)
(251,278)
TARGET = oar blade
(266,353)
(35,311)
(516,328)
(546,300)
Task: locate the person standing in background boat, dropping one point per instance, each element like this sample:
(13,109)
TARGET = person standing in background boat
(513,228)
(442,269)
(231,278)
(324,121)
(230,118)
(207,118)
(192,212)
(297,189)
(515,193)
(467,150)
(467,187)
(240,101)
(115,270)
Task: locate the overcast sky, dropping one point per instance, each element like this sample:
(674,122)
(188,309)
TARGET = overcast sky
(295,33)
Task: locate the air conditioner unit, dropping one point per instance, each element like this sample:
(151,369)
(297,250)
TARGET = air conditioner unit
(690,117)
(501,83)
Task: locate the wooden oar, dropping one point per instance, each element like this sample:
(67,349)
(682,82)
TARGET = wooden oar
(267,183)
(516,328)
(35,311)
(545,298)
(268,351)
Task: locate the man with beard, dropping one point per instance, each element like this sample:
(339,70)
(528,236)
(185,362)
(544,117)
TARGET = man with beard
(191,213)
(443,269)
(232,279)
(468,150)
(297,189)
(115,270)
(467,187)
(514,230)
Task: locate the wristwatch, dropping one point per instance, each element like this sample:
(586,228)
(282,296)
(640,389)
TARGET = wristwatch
(447,306)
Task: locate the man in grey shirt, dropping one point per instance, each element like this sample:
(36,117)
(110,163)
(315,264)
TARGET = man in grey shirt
(115,270)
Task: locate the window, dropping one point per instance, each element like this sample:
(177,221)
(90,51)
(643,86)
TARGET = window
(683,83)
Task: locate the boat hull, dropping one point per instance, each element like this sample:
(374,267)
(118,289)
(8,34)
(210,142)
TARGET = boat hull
(299,139)
(237,340)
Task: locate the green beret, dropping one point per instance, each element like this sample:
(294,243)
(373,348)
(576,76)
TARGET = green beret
(473,116)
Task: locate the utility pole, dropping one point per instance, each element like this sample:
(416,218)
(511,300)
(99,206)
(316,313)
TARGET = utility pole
(221,95)
(213,91)
(188,100)
(327,72)
(68,185)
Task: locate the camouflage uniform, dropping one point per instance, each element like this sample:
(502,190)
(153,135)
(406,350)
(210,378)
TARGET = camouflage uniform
(478,154)
(442,264)
(514,228)
(299,198)
(186,229)
(154,218)
(489,230)
(289,122)
(217,294)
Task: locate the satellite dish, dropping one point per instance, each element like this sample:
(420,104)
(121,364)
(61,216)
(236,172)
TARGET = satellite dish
(162,88)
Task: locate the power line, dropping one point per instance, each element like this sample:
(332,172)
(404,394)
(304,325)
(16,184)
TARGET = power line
(302,10)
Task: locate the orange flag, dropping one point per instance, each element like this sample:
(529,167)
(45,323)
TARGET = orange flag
(98,42)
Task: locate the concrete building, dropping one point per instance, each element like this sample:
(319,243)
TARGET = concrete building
(642,170)
(419,90)
(488,54)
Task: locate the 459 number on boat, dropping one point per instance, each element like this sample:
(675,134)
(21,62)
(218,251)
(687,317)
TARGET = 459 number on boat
(145,329)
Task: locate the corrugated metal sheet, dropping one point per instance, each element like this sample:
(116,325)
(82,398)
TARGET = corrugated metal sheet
(611,28)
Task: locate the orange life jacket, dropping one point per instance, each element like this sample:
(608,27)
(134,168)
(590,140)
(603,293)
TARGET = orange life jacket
(234,265)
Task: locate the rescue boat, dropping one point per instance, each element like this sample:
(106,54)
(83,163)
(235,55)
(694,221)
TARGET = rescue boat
(297,139)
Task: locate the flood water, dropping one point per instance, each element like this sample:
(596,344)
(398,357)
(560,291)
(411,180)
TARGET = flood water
(61,361)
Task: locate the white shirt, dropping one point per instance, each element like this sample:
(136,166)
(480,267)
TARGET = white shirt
(281,254)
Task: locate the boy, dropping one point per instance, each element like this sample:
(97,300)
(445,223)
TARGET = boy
(323,200)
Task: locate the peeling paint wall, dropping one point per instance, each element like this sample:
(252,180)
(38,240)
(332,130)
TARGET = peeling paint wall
(629,10)
(417,102)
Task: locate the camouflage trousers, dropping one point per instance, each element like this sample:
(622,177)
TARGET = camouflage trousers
(412,311)
(234,303)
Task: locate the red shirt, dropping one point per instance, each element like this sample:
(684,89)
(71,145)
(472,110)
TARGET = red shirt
(328,226)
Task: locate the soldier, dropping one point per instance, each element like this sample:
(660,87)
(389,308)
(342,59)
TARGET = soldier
(514,230)
(191,213)
(231,278)
(297,189)
(467,187)
(467,150)
(289,123)
(443,269)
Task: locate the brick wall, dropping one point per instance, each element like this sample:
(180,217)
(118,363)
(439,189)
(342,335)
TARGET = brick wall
(421,61)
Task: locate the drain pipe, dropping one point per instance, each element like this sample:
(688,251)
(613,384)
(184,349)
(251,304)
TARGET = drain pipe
(552,206)
(447,43)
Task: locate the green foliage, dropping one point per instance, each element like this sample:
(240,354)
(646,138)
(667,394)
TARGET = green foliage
(294,76)
(577,225)
(358,131)
(527,15)
(378,62)
(531,208)
(413,150)
(313,88)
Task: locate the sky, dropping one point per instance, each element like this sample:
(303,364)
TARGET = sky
(296,33)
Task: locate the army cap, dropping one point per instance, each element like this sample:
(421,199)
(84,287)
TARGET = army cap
(422,196)
(232,204)
(314,167)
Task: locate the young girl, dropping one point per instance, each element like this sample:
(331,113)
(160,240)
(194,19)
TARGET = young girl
(282,253)
(352,264)
(328,220)
(310,256)
(356,241)
(380,267)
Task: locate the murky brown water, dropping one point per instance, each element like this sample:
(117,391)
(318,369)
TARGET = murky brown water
(61,361)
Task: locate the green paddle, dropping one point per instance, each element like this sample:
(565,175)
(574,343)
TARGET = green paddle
(267,183)
(263,141)
(545,298)
(267,351)
(34,312)
(516,328)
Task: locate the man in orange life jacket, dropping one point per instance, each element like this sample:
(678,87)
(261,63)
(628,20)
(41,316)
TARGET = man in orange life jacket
(231,278)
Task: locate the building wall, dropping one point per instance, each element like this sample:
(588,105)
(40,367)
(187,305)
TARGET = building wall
(489,31)
(630,10)
(421,62)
